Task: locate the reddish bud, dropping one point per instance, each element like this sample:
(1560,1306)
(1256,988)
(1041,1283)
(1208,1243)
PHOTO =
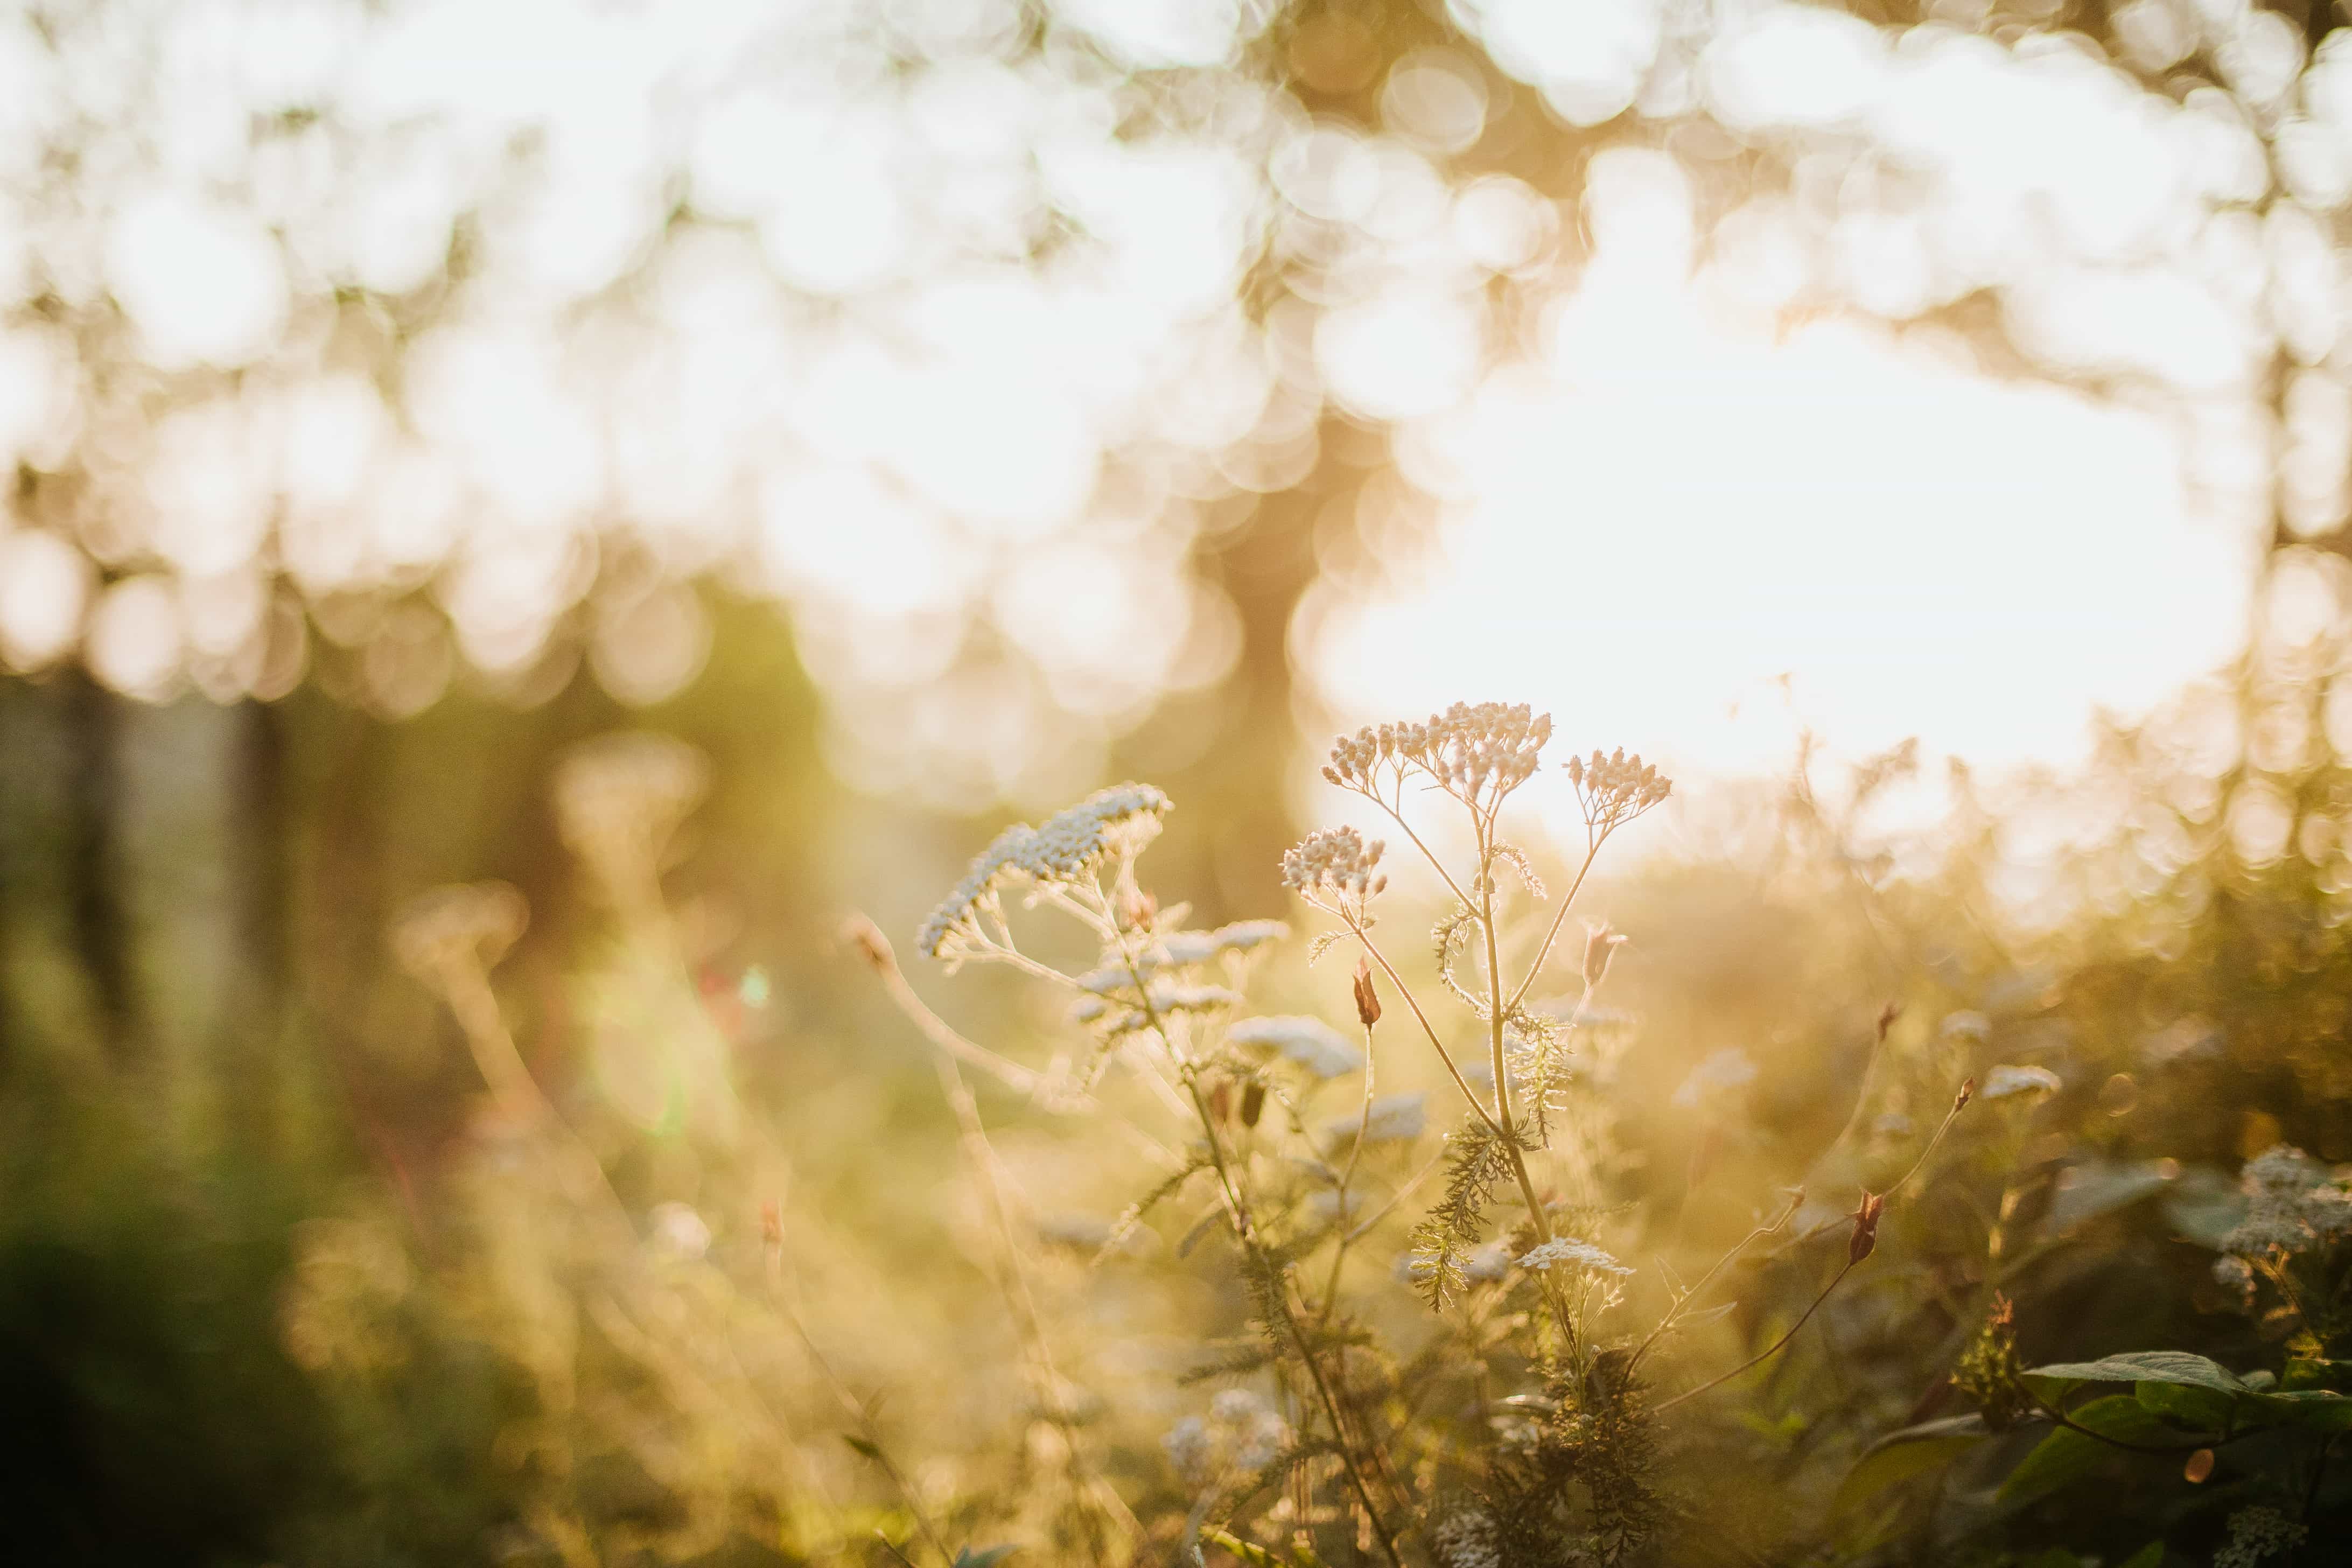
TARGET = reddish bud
(1865,1227)
(1368,1001)
(1221,1099)
(1253,1104)
(2200,1466)
(1887,1016)
(1968,1093)
(1600,946)
(772,1223)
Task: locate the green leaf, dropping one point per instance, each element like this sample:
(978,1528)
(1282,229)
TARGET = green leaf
(2140,1366)
(1899,1456)
(2314,1409)
(2148,1556)
(1249,1551)
(2066,1455)
(2187,1405)
(987,1557)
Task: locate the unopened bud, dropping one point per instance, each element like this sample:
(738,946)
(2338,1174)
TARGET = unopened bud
(1968,1093)
(1600,946)
(1221,1099)
(1887,1016)
(1253,1104)
(772,1223)
(867,938)
(1368,1000)
(1137,908)
(1865,1227)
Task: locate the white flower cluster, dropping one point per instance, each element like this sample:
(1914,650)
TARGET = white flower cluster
(1393,1119)
(1718,1075)
(1310,1042)
(1474,751)
(619,797)
(473,924)
(1106,826)
(1241,1429)
(2257,1534)
(1468,1540)
(2292,1204)
(1122,1016)
(1574,1254)
(1336,858)
(1186,947)
(2006,1079)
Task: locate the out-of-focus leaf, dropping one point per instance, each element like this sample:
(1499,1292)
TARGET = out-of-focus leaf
(2066,1455)
(986,1557)
(1899,1456)
(862,1446)
(2315,1409)
(1249,1551)
(2148,1556)
(2097,1187)
(2204,1206)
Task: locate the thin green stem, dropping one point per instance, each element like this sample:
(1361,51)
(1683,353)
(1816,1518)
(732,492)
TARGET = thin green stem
(1768,1351)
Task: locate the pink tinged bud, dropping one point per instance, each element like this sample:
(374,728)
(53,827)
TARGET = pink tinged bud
(1968,1093)
(1887,1016)
(1599,947)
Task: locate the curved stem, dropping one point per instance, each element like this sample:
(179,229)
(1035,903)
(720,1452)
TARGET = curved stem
(1422,1019)
(1768,1351)
(1559,918)
(1673,1314)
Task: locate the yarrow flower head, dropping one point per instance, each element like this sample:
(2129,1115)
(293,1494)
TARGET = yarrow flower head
(1477,753)
(470,924)
(1468,1540)
(2257,1534)
(1616,788)
(1393,1119)
(1336,860)
(1310,1042)
(1567,1251)
(2006,1079)
(1109,826)
(1722,1072)
(1200,946)
(2292,1204)
(620,797)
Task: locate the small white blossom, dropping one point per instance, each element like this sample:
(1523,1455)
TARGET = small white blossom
(1468,1540)
(1574,1254)
(2006,1079)
(1105,826)
(1310,1042)
(1236,1406)
(2258,1534)
(1966,1025)
(2292,1204)
(1186,947)
(678,1231)
(1189,1448)
(2236,1276)
(1393,1119)
(1722,1072)
(1336,859)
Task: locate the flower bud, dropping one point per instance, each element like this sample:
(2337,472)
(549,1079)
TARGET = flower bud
(1887,1016)
(1221,1099)
(1865,1227)
(1368,1001)
(1253,1104)
(1600,946)
(1968,1093)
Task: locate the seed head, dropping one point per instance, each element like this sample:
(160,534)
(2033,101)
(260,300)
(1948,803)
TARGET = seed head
(1865,1227)
(1616,788)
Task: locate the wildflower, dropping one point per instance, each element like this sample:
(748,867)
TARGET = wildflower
(678,1231)
(1310,1042)
(1574,1254)
(1075,843)
(1336,859)
(1480,1264)
(1966,1025)
(1236,1406)
(1261,1441)
(472,924)
(2236,1276)
(1476,752)
(1468,1540)
(2290,1204)
(2005,1080)
(1189,947)
(618,799)
(1190,1448)
(1615,789)
(1719,1074)
(2256,1533)
(1393,1119)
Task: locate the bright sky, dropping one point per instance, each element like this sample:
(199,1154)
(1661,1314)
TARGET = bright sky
(1676,506)
(954,358)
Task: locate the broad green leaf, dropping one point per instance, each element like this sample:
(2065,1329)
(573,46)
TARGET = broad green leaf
(2066,1455)
(2139,1366)
(2188,1406)
(1899,1456)
(2314,1409)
